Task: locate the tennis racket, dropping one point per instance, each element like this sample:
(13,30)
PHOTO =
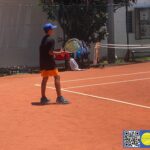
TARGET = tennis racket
(72,45)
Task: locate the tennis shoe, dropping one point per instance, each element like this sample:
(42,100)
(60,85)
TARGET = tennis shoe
(44,100)
(61,100)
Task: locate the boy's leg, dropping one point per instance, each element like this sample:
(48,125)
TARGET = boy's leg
(60,99)
(43,86)
(57,85)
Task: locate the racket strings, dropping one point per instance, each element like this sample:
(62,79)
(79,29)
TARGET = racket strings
(72,45)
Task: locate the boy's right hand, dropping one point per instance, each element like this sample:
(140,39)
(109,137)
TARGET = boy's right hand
(51,53)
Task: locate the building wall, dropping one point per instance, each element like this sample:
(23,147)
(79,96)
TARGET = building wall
(20,32)
(120,30)
(21,24)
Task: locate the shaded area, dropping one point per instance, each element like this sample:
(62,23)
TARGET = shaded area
(18,69)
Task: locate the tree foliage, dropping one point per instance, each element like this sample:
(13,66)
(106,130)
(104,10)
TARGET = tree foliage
(82,19)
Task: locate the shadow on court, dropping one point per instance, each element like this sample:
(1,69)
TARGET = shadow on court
(51,103)
(39,104)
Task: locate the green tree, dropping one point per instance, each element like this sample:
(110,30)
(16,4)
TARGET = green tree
(78,20)
(82,19)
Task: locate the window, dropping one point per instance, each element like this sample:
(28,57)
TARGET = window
(142,21)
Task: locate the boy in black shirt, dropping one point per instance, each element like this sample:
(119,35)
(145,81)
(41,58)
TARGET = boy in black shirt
(48,66)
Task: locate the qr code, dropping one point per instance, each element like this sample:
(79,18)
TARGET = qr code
(131,139)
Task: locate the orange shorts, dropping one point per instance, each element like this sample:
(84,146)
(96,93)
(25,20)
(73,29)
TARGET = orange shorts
(47,73)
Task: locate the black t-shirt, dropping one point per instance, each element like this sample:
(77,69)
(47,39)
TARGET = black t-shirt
(47,62)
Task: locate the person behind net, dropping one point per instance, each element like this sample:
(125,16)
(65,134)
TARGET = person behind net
(48,66)
(73,64)
(96,58)
(96,55)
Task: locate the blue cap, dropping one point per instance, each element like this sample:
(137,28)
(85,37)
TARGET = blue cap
(49,26)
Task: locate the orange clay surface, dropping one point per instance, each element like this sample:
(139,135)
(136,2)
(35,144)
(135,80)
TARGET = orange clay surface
(104,102)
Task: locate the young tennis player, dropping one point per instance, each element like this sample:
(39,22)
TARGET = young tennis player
(47,64)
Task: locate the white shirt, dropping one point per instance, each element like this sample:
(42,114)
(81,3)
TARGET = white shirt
(73,64)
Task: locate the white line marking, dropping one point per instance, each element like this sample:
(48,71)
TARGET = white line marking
(104,98)
(107,83)
(92,78)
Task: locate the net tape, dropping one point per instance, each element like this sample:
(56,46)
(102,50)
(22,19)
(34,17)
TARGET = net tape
(127,46)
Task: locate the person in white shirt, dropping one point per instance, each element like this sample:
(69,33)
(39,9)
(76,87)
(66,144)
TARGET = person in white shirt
(73,64)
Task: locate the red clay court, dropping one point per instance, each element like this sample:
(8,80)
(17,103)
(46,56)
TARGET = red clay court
(104,102)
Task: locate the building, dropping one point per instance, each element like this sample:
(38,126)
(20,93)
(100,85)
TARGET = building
(21,24)
(138,22)
(20,32)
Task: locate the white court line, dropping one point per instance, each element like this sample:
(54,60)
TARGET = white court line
(118,75)
(99,97)
(107,83)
